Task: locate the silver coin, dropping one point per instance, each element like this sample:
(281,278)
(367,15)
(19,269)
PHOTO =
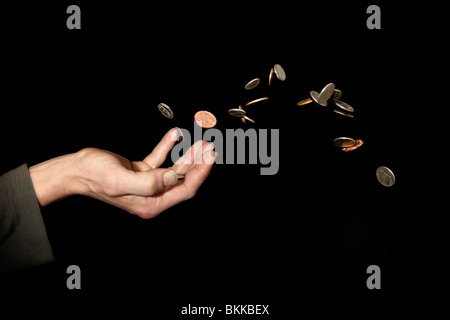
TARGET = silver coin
(314,95)
(165,110)
(344,106)
(385,176)
(344,142)
(252,84)
(336,94)
(236,113)
(279,72)
(344,113)
(326,94)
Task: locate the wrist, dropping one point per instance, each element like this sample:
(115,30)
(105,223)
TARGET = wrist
(56,178)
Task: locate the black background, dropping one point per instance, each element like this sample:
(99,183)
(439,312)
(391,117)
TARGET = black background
(299,240)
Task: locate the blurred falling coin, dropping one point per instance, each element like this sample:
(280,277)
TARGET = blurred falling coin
(205,119)
(243,118)
(236,113)
(358,144)
(343,113)
(252,84)
(270,76)
(303,102)
(240,113)
(165,110)
(247,118)
(256,100)
(325,94)
(279,72)
(344,142)
(344,106)
(385,176)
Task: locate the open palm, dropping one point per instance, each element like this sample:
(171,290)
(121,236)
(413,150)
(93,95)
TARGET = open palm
(142,187)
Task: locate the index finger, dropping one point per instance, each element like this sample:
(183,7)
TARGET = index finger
(162,149)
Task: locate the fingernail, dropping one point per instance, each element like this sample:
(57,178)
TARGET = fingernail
(170,178)
(210,146)
(177,135)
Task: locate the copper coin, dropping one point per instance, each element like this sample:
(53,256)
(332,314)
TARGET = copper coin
(243,118)
(305,101)
(257,100)
(205,119)
(358,144)
(270,76)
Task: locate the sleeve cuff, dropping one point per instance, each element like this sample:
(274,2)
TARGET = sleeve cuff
(23,238)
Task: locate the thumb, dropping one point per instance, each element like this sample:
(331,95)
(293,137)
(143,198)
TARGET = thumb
(148,183)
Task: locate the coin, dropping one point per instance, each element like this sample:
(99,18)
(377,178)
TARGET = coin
(336,94)
(358,144)
(344,106)
(205,119)
(343,113)
(256,100)
(279,72)
(240,113)
(385,176)
(252,84)
(236,113)
(315,96)
(326,94)
(243,118)
(344,142)
(270,76)
(165,110)
(303,102)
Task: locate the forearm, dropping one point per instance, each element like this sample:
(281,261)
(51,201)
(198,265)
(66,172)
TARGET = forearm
(55,179)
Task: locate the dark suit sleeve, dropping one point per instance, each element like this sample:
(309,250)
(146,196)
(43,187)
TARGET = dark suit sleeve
(23,238)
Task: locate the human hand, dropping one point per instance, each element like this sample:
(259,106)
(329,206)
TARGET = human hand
(140,187)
